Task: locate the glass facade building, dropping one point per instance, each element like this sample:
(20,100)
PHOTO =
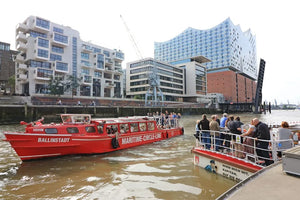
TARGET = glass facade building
(226,45)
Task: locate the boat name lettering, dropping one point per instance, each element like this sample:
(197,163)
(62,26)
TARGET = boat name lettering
(141,138)
(55,140)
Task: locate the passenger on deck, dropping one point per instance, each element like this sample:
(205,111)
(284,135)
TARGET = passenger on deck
(215,128)
(249,142)
(204,126)
(262,132)
(284,133)
(197,129)
(222,127)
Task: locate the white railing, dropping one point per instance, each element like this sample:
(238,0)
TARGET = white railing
(234,145)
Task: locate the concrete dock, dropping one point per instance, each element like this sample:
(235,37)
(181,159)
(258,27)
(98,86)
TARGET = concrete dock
(270,183)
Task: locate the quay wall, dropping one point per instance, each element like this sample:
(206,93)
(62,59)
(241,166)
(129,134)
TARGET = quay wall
(12,114)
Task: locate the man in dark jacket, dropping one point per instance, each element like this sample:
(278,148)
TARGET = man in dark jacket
(203,126)
(262,132)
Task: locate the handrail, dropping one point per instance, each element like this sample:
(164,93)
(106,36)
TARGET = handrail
(236,148)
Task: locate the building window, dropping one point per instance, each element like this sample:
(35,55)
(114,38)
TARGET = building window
(54,57)
(43,53)
(44,73)
(60,38)
(40,64)
(58,30)
(43,43)
(85,63)
(98,74)
(85,71)
(85,56)
(100,61)
(57,49)
(62,66)
(37,34)
(42,23)
(106,53)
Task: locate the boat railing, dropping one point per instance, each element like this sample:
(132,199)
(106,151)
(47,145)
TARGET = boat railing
(242,147)
(166,123)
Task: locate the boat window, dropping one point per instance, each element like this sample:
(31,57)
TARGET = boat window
(142,126)
(134,127)
(124,128)
(51,130)
(72,130)
(100,128)
(112,129)
(90,129)
(150,126)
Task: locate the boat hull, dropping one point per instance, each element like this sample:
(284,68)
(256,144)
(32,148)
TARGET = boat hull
(225,165)
(30,146)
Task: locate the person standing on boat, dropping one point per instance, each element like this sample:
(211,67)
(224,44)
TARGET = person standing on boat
(214,133)
(249,142)
(197,129)
(222,128)
(284,134)
(204,127)
(262,132)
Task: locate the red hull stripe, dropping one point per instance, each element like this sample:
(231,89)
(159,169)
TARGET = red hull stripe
(228,160)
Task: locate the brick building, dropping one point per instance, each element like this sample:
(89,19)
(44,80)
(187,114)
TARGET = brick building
(235,87)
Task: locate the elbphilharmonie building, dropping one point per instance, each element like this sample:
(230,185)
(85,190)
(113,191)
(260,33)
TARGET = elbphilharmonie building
(232,53)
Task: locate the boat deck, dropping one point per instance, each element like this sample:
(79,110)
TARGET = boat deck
(270,183)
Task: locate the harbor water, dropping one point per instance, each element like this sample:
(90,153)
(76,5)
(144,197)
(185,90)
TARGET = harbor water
(162,170)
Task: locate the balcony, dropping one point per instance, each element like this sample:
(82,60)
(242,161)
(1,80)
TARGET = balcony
(60,40)
(21,37)
(20,59)
(22,46)
(22,77)
(87,49)
(108,61)
(22,27)
(22,67)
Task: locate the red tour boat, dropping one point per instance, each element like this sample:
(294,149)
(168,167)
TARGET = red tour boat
(80,134)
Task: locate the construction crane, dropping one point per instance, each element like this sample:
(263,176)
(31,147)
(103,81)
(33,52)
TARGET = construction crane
(154,90)
(135,46)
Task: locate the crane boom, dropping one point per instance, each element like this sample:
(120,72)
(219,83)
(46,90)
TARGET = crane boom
(135,46)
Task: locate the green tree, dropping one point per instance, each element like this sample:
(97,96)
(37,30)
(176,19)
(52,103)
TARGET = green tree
(72,83)
(56,85)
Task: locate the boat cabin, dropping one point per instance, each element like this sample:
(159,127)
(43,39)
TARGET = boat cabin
(84,125)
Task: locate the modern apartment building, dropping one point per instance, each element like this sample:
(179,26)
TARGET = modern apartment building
(171,79)
(232,53)
(51,50)
(194,73)
(7,68)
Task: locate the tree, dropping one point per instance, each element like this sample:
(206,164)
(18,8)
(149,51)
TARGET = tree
(56,85)
(72,83)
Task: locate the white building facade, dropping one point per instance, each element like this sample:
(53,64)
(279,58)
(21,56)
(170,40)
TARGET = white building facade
(171,79)
(51,50)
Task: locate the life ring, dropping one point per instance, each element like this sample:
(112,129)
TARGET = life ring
(115,143)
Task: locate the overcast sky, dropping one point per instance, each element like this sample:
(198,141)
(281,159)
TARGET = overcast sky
(275,24)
